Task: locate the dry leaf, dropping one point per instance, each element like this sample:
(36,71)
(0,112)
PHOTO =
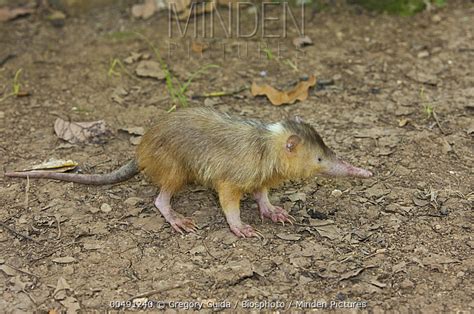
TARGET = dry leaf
(8,270)
(300,42)
(150,69)
(7,14)
(81,132)
(198,47)
(135,57)
(403,122)
(145,10)
(329,231)
(277,98)
(54,165)
(355,272)
(136,130)
(62,285)
(71,304)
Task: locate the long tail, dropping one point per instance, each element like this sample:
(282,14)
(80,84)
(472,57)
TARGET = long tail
(125,172)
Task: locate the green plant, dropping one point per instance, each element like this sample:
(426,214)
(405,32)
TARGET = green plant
(176,89)
(120,36)
(429,109)
(291,64)
(113,72)
(16,86)
(439,3)
(427,106)
(400,7)
(268,53)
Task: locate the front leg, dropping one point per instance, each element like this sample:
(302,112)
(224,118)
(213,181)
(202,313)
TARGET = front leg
(275,213)
(229,197)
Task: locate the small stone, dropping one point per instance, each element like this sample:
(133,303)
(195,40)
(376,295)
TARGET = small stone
(210,102)
(436,18)
(135,140)
(407,284)
(444,211)
(132,201)
(437,227)
(57,18)
(336,193)
(421,185)
(2,114)
(460,274)
(150,69)
(423,54)
(341,296)
(105,208)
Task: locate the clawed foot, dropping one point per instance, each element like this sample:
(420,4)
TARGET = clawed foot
(245,231)
(183,224)
(276,214)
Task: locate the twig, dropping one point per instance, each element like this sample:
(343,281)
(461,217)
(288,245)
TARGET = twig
(27,191)
(221,93)
(6,58)
(152,292)
(59,227)
(23,271)
(207,250)
(435,116)
(17,233)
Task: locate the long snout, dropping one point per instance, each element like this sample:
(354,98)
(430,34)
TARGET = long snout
(340,168)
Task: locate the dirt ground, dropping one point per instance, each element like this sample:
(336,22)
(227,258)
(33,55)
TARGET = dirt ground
(400,241)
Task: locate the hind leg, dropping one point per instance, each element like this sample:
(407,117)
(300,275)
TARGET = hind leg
(177,221)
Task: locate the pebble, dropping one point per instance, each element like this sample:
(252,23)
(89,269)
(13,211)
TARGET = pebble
(106,208)
(2,114)
(444,211)
(406,284)
(460,274)
(341,296)
(132,201)
(336,193)
(423,54)
(436,18)
(437,227)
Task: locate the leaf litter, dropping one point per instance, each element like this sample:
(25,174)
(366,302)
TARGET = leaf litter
(7,14)
(299,92)
(54,165)
(82,132)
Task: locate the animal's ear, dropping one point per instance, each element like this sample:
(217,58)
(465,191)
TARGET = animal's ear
(292,142)
(298,119)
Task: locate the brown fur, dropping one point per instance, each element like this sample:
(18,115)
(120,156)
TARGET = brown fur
(204,146)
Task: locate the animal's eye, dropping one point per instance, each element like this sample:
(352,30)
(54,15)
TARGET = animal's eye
(320,159)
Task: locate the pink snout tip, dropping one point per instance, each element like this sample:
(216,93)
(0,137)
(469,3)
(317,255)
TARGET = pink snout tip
(343,169)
